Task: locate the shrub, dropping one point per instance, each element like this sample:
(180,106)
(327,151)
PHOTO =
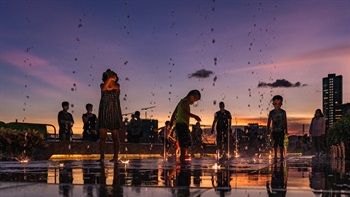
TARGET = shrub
(340,131)
(20,144)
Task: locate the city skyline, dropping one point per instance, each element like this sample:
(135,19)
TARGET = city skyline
(241,53)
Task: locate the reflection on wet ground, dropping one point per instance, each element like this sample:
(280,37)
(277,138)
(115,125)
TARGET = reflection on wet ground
(294,176)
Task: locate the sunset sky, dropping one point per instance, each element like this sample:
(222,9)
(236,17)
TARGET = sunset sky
(54,51)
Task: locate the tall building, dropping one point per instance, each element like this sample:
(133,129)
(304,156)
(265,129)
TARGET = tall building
(332,98)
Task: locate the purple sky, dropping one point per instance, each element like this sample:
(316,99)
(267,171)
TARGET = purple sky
(52,51)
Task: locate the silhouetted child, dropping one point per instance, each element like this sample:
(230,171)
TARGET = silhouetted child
(164,135)
(182,116)
(136,127)
(90,132)
(278,119)
(197,141)
(65,122)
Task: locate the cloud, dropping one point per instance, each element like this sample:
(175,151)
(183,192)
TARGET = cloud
(338,54)
(201,74)
(281,83)
(39,68)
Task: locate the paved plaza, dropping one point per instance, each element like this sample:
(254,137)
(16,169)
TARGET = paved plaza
(154,176)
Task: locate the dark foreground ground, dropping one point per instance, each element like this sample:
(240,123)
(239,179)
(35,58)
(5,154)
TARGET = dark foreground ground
(147,175)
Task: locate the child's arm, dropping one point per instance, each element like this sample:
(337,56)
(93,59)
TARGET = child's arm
(213,125)
(186,109)
(285,123)
(105,85)
(268,123)
(310,129)
(323,127)
(173,116)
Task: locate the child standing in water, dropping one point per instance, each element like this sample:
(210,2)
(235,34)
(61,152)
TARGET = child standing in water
(182,116)
(278,118)
(317,131)
(109,113)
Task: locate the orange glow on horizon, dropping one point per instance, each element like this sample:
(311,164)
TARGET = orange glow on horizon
(207,120)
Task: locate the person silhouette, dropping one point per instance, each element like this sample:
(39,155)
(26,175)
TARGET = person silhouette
(318,131)
(277,122)
(90,132)
(65,122)
(222,124)
(109,113)
(182,116)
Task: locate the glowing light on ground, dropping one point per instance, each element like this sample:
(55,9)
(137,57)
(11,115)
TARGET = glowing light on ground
(216,166)
(124,161)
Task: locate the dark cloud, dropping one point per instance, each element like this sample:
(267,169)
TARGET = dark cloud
(281,83)
(201,74)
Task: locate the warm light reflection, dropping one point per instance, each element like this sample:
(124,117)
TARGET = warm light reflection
(167,177)
(216,166)
(124,161)
(59,157)
(26,160)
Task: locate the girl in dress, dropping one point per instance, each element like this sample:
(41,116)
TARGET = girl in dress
(109,114)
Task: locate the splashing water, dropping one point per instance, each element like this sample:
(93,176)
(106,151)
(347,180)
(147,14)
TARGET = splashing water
(23,158)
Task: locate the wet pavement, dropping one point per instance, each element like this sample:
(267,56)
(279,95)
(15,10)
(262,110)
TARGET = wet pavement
(154,176)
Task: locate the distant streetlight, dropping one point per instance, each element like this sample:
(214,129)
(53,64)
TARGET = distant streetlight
(145,108)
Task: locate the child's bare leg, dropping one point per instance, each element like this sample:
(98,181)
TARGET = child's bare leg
(183,153)
(115,136)
(102,146)
(281,151)
(275,151)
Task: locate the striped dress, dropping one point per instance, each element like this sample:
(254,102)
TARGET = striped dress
(109,112)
